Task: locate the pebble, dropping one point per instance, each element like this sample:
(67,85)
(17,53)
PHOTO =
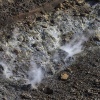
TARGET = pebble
(80,1)
(1,49)
(4,98)
(1,69)
(97,36)
(64,76)
(46,16)
(0,1)
(26,87)
(61,5)
(26,96)
(11,1)
(47,90)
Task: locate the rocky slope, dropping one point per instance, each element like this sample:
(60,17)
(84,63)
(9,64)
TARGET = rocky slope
(50,55)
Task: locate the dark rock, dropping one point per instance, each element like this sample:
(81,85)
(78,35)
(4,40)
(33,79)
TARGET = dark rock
(26,87)
(1,69)
(1,49)
(47,90)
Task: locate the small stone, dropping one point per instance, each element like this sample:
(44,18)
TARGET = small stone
(80,1)
(0,1)
(97,81)
(26,87)
(64,76)
(26,96)
(47,90)
(88,92)
(20,38)
(1,49)
(97,36)
(15,51)
(44,26)
(11,1)
(46,16)
(61,5)
(4,98)
(58,9)
(1,69)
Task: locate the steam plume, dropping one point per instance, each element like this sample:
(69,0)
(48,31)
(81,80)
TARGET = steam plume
(74,46)
(35,75)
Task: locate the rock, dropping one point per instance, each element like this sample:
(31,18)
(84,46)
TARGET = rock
(11,1)
(1,49)
(1,69)
(97,36)
(80,1)
(61,5)
(26,87)
(64,76)
(26,96)
(47,90)
(96,83)
(46,16)
(4,98)
(88,92)
(15,51)
(44,26)
(0,1)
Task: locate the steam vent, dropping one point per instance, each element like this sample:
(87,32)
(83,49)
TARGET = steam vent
(49,49)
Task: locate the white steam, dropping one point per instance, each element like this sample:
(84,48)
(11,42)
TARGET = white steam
(35,75)
(74,46)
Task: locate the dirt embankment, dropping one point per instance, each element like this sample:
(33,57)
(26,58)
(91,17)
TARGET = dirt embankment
(17,10)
